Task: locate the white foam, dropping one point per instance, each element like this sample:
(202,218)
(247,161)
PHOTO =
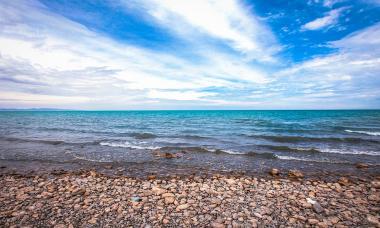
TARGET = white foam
(374,133)
(226,151)
(304,159)
(355,152)
(128,145)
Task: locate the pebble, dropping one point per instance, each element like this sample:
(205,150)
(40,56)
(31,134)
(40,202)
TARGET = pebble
(92,199)
(295,174)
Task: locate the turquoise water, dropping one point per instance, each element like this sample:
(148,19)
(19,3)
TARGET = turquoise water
(231,137)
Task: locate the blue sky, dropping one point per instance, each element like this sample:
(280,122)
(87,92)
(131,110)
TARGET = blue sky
(200,54)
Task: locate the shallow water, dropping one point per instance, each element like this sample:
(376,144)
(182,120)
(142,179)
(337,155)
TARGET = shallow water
(225,140)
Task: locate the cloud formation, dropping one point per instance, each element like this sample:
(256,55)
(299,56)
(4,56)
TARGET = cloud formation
(221,55)
(331,18)
(226,20)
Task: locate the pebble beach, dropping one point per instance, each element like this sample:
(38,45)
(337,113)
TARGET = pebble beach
(92,199)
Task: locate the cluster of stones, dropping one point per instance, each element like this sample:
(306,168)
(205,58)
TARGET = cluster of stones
(90,199)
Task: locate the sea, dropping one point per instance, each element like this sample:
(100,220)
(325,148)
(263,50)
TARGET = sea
(202,141)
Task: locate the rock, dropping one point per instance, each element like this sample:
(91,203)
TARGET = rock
(230,181)
(217,225)
(361,165)
(317,208)
(152,177)
(344,181)
(168,194)
(348,195)
(108,166)
(182,207)
(375,184)
(165,221)
(136,199)
(160,154)
(373,220)
(295,174)
(312,221)
(334,220)
(92,220)
(158,191)
(169,200)
(322,225)
(274,172)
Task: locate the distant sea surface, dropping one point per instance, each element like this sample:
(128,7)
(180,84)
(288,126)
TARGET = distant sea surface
(217,140)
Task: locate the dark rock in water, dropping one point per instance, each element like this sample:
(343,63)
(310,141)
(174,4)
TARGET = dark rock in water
(152,177)
(317,208)
(3,167)
(108,166)
(160,154)
(295,174)
(274,172)
(362,165)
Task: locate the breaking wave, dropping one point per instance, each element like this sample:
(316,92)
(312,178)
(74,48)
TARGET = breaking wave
(374,133)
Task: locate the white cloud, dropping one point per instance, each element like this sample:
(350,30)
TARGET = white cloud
(352,71)
(42,52)
(39,99)
(331,3)
(179,95)
(330,19)
(227,20)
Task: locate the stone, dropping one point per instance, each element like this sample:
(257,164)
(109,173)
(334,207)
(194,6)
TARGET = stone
(295,174)
(344,181)
(375,184)
(217,225)
(274,172)
(169,200)
(361,165)
(93,220)
(152,177)
(182,207)
(136,199)
(312,221)
(168,194)
(373,220)
(317,208)
(333,220)
(230,181)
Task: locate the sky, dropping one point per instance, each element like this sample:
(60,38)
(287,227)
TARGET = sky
(199,54)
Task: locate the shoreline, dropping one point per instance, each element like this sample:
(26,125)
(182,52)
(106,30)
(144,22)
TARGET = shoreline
(87,198)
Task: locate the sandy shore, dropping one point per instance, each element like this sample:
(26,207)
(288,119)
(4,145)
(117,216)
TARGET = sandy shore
(90,199)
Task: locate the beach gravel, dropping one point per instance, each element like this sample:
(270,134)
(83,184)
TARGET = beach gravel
(90,199)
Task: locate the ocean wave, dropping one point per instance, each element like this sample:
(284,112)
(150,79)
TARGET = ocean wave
(283,157)
(320,150)
(50,142)
(295,139)
(137,135)
(352,152)
(128,145)
(374,133)
(291,149)
(252,154)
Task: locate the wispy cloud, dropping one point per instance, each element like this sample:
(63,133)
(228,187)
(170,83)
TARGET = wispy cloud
(349,74)
(331,18)
(226,20)
(222,55)
(65,58)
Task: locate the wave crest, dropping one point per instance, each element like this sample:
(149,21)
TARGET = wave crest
(374,133)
